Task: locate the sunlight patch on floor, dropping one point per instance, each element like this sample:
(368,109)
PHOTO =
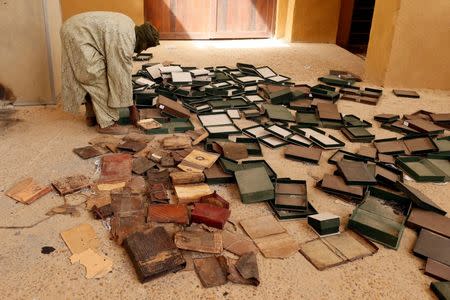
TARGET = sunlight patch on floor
(242,44)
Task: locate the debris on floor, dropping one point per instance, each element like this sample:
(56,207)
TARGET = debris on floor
(156,193)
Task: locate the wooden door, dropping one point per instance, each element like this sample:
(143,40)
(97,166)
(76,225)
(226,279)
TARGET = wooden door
(244,19)
(180,19)
(206,19)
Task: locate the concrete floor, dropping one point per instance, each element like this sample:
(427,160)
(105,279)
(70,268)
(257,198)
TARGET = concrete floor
(40,144)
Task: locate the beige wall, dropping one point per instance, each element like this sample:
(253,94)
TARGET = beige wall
(132,8)
(421,46)
(314,21)
(381,36)
(23,51)
(410,44)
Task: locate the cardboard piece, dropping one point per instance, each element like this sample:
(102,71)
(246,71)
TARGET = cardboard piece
(277,246)
(27,191)
(210,272)
(210,215)
(261,227)
(254,185)
(80,238)
(237,244)
(89,151)
(115,171)
(97,265)
(335,250)
(168,213)
(188,193)
(200,241)
(434,246)
(198,160)
(70,184)
(153,254)
(270,237)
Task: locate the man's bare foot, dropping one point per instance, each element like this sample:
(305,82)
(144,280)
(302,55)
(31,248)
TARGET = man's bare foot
(134,115)
(114,129)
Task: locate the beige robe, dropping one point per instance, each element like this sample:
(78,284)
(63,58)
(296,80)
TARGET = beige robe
(97,50)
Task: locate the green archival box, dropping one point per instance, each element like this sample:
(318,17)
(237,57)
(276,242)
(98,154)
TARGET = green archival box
(381,217)
(252,144)
(324,223)
(254,185)
(425,169)
(278,112)
(291,194)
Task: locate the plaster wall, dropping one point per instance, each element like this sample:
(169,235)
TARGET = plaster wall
(420,55)
(132,8)
(315,21)
(382,32)
(23,51)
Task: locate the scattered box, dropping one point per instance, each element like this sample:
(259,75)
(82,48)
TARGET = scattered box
(324,223)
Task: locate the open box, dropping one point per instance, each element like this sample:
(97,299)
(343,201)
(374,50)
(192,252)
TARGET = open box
(253,147)
(230,166)
(286,214)
(288,135)
(173,125)
(290,194)
(425,169)
(218,124)
(381,217)
(319,137)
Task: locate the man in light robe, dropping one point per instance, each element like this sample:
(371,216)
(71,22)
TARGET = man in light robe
(97,51)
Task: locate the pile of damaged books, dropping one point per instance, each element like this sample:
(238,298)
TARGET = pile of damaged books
(156,187)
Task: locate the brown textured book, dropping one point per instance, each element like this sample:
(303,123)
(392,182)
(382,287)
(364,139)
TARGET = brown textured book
(153,253)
